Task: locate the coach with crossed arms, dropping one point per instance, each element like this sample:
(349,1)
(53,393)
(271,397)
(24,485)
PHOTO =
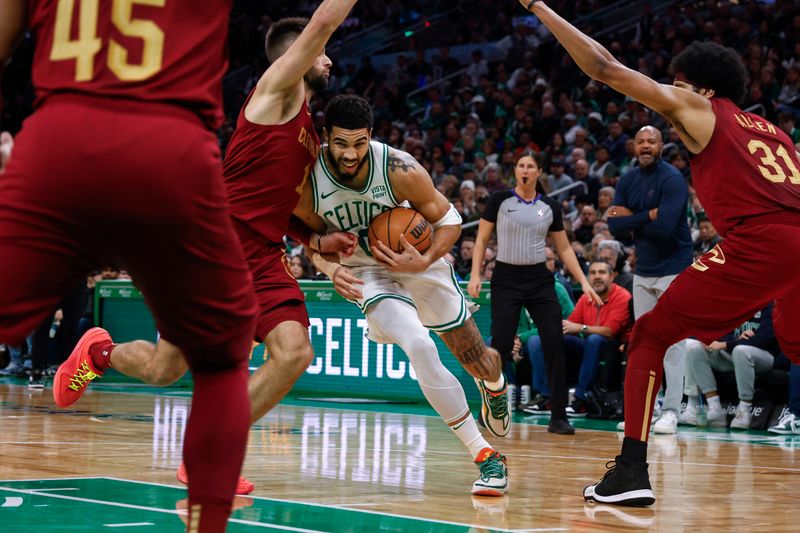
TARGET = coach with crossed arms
(650,204)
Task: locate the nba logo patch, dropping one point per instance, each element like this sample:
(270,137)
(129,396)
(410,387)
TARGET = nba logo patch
(541,213)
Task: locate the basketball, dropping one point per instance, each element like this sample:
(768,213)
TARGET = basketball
(389,225)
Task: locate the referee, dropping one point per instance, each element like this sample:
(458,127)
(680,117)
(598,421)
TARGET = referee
(525,217)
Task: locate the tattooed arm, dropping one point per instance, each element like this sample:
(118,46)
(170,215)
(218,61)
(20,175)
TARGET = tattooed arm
(411,182)
(467,345)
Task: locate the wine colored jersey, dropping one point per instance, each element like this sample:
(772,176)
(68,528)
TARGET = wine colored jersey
(265,168)
(153,50)
(748,169)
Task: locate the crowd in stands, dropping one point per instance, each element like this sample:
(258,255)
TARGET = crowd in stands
(467,131)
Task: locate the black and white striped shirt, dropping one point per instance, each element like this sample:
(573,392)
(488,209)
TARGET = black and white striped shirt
(522,227)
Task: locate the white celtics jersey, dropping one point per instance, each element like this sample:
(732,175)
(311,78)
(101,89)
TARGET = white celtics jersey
(346,209)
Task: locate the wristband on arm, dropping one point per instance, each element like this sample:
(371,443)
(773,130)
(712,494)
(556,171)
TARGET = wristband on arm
(451,218)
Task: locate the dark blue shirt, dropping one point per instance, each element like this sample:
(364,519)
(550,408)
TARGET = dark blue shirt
(664,245)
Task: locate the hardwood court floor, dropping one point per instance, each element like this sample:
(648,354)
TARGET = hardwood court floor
(110,463)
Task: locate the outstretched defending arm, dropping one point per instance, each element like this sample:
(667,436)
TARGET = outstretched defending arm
(691,113)
(279,89)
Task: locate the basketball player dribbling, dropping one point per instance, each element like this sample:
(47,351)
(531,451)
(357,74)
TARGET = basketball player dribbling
(270,156)
(747,176)
(99,175)
(403,296)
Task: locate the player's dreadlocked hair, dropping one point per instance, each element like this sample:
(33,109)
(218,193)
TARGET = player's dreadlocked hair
(281,35)
(348,112)
(712,66)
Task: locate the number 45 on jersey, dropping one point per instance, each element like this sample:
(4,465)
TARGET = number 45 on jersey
(85,47)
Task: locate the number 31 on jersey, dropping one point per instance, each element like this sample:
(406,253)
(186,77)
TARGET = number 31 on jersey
(84,49)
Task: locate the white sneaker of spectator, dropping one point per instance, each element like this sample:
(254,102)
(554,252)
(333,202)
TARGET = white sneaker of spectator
(653,420)
(789,424)
(667,424)
(743,416)
(512,397)
(525,395)
(688,416)
(717,418)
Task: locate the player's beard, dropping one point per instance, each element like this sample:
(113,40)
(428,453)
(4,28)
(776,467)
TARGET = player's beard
(316,81)
(337,168)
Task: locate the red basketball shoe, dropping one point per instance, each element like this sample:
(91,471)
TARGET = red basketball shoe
(243,487)
(75,374)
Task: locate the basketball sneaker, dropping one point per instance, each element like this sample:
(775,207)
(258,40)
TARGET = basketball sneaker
(538,406)
(717,417)
(688,416)
(75,374)
(495,414)
(667,423)
(743,417)
(242,487)
(625,483)
(494,474)
(789,424)
(35,381)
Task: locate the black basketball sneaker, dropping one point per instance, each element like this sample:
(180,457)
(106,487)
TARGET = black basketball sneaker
(625,483)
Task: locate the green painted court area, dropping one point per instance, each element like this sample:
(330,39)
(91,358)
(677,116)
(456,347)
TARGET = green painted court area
(94,504)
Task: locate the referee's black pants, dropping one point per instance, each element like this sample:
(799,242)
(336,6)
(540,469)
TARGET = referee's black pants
(531,286)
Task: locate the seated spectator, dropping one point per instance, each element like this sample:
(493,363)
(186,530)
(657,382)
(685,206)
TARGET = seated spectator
(301,267)
(458,166)
(587,333)
(612,252)
(558,180)
(605,197)
(466,193)
(592,185)
(603,168)
(588,217)
(615,142)
(749,350)
(786,122)
(463,264)
(789,423)
(709,237)
(494,178)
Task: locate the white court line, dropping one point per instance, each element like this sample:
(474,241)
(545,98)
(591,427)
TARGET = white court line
(56,489)
(153,509)
(340,507)
(132,524)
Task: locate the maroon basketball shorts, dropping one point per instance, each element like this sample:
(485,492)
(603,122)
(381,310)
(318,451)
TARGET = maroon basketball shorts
(279,296)
(96,181)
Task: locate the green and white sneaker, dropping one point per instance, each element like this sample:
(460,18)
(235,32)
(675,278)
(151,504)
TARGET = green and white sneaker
(494,474)
(789,424)
(495,415)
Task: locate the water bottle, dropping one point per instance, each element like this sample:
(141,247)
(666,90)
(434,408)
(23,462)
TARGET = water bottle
(702,416)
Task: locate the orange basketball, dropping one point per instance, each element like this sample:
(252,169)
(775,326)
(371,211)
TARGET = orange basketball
(389,225)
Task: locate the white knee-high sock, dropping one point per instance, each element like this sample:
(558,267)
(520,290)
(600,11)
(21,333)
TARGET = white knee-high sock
(443,391)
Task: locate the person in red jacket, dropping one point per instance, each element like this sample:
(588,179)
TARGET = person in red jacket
(590,328)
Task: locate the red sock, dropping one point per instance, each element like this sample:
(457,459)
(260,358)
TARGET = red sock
(101,354)
(214,447)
